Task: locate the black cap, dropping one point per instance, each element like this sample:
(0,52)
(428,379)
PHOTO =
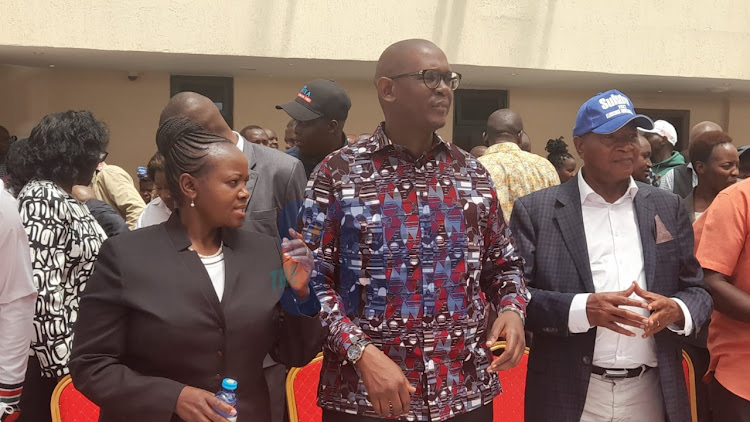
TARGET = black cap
(319,98)
(743,149)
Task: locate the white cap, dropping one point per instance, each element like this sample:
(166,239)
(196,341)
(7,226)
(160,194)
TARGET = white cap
(665,129)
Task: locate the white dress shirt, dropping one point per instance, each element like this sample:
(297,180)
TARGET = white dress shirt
(216,272)
(616,259)
(240,141)
(156,212)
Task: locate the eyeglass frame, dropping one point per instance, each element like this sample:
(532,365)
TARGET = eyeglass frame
(442,77)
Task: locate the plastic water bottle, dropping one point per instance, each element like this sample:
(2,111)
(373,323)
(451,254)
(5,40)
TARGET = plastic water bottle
(228,395)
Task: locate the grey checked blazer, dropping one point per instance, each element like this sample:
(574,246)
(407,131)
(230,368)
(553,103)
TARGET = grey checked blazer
(277,188)
(548,230)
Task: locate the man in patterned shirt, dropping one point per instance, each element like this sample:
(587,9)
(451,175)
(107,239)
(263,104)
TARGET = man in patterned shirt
(516,173)
(411,252)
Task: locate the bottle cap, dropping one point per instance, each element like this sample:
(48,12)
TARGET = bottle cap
(229,384)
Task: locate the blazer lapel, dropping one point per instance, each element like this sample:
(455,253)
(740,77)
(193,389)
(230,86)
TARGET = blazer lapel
(249,151)
(232,265)
(645,214)
(195,272)
(569,219)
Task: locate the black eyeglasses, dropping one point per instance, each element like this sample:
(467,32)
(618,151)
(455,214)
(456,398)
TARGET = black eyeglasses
(103,156)
(432,78)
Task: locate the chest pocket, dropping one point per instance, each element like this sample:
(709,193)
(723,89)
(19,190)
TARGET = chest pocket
(263,221)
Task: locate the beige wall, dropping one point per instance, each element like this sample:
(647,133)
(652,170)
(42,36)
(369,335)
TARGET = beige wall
(131,109)
(668,37)
(739,120)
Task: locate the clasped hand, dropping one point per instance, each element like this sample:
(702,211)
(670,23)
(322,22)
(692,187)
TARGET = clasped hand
(605,310)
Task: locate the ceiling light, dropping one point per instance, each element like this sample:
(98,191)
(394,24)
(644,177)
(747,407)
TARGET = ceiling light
(514,74)
(51,65)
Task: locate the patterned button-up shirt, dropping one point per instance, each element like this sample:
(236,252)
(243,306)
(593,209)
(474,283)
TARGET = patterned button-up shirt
(410,253)
(517,173)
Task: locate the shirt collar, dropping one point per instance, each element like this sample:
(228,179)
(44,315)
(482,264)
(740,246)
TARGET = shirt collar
(502,147)
(379,141)
(588,194)
(240,141)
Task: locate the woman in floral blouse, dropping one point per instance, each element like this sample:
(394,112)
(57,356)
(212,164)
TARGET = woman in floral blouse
(62,151)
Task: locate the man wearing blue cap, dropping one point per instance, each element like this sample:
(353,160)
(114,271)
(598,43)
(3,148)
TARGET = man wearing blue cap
(605,317)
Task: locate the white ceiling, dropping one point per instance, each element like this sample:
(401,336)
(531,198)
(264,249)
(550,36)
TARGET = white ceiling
(473,76)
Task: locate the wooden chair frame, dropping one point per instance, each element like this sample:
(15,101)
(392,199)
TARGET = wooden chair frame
(291,399)
(692,395)
(55,401)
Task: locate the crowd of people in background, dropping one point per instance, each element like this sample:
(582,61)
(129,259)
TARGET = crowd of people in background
(397,254)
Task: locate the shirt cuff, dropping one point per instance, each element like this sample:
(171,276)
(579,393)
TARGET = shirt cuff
(309,306)
(578,320)
(688,329)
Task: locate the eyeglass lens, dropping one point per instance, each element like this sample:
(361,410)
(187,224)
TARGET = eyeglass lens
(432,79)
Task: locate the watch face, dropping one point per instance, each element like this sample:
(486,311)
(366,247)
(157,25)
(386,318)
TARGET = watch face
(353,352)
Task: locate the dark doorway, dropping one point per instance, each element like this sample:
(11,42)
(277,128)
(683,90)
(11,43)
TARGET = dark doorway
(472,108)
(219,89)
(680,119)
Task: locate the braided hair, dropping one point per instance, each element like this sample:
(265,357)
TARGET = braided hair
(185,146)
(558,152)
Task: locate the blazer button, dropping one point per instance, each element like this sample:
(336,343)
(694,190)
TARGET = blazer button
(586,360)
(221,331)
(219,354)
(217,377)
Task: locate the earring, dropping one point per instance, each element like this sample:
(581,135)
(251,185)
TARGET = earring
(192,203)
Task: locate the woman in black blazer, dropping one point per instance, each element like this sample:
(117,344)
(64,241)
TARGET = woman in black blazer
(171,310)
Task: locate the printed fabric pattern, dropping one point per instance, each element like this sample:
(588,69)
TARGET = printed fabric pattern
(65,240)
(410,253)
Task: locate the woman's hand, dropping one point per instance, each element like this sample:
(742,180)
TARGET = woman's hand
(298,263)
(196,405)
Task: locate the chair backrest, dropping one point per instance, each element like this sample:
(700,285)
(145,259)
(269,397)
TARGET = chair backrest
(69,405)
(508,406)
(687,367)
(302,392)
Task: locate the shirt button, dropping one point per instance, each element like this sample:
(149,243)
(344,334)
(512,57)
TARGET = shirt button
(219,354)
(221,331)
(586,360)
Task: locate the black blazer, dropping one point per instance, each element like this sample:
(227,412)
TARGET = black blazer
(549,234)
(150,323)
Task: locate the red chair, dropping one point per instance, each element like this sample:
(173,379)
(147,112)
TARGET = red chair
(508,406)
(69,405)
(302,392)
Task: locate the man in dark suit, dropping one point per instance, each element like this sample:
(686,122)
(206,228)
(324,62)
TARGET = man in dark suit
(277,184)
(277,181)
(613,279)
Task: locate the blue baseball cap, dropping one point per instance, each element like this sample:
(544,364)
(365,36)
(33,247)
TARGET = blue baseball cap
(607,112)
